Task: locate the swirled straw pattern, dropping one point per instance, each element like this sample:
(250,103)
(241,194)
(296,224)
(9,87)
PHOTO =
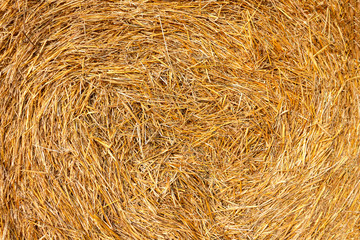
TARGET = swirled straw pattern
(223,119)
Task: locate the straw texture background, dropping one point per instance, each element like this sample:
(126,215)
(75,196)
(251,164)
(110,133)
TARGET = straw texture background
(179,119)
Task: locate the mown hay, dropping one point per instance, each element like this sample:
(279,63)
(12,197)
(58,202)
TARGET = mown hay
(179,119)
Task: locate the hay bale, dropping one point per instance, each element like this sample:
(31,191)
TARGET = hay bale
(179,119)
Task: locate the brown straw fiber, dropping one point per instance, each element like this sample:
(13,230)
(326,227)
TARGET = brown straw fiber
(125,119)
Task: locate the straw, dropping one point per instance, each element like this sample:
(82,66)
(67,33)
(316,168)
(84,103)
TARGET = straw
(179,119)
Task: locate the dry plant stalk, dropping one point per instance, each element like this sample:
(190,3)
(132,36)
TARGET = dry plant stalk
(179,119)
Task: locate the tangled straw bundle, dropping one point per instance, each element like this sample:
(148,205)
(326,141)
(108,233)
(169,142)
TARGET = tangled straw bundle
(179,119)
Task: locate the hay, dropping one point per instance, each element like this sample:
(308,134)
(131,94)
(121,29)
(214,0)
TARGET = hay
(179,119)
